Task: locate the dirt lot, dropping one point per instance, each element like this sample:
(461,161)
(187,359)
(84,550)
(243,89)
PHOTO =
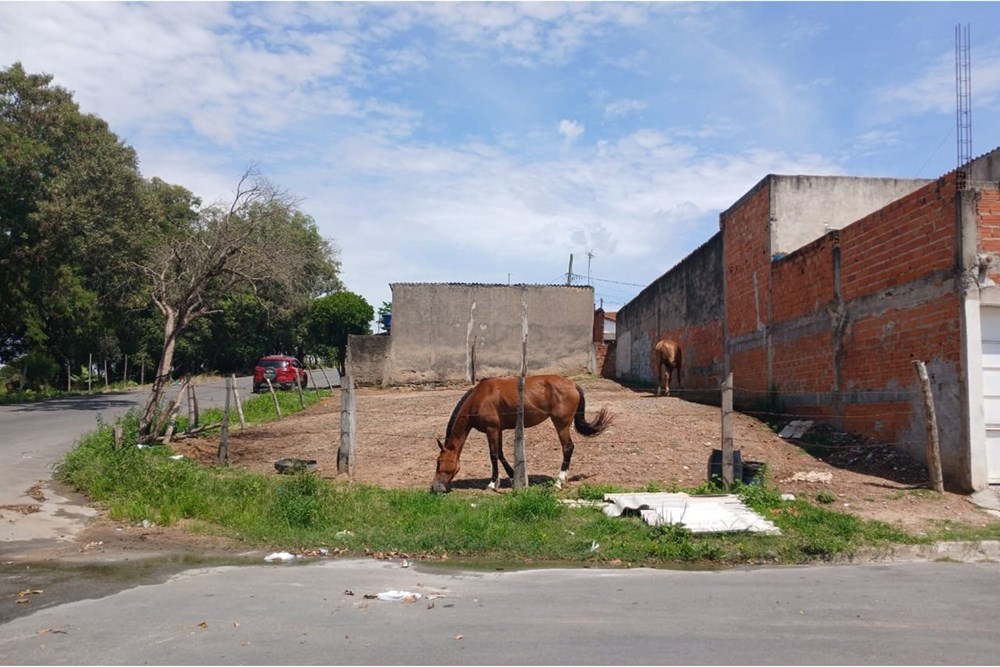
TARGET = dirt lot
(661,440)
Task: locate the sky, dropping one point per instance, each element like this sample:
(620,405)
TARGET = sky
(489,143)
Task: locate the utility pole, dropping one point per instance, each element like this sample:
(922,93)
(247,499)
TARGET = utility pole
(569,273)
(590,256)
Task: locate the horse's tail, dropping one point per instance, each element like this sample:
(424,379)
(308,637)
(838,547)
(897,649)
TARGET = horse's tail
(602,421)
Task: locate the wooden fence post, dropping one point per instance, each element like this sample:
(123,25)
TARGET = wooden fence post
(239,405)
(192,406)
(125,372)
(224,442)
(327,378)
(270,388)
(298,388)
(727,431)
(119,432)
(90,372)
(345,457)
(171,412)
(520,479)
(935,479)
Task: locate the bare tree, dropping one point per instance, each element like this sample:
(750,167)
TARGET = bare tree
(190,269)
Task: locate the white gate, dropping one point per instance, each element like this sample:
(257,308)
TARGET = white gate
(990,323)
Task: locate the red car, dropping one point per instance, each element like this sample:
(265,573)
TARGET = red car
(280,370)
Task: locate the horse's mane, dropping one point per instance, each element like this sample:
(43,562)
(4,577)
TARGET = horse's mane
(454,414)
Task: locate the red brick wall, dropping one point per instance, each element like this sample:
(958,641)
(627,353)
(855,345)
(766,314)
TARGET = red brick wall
(747,242)
(893,253)
(904,241)
(988,211)
(746,232)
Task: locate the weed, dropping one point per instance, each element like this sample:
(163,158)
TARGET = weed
(826,498)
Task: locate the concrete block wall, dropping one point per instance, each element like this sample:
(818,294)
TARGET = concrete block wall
(445,332)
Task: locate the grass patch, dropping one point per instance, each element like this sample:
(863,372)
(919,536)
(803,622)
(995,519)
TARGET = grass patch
(304,511)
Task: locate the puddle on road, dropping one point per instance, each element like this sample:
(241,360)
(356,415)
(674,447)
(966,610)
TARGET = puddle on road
(67,581)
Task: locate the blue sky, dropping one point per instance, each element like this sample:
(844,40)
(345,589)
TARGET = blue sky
(487,142)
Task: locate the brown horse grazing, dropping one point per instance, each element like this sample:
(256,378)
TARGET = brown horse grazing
(491,407)
(666,359)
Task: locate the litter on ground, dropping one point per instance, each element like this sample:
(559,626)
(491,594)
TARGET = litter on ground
(279,556)
(399,596)
(795,428)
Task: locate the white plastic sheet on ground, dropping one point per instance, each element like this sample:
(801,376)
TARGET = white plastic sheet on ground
(399,596)
(699,514)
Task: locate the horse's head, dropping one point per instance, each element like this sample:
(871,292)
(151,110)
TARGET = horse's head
(447,468)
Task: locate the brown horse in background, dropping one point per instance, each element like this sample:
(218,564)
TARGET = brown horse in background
(491,407)
(666,359)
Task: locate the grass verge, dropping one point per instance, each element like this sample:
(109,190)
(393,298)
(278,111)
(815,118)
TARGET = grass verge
(533,525)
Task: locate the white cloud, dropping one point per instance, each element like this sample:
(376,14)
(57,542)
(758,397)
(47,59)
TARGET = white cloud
(570,130)
(623,107)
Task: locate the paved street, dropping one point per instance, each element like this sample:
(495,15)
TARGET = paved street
(132,608)
(906,613)
(35,436)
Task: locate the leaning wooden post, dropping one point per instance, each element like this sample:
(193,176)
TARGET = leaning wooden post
(90,372)
(270,387)
(327,377)
(520,479)
(298,388)
(192,406)
(224,442)
(119,433)
(345,457)
(171,412)
(727,431)
(935,479)
(239,405)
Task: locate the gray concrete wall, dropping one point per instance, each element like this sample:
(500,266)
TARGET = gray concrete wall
(445,332)
(803,208)
(368,358)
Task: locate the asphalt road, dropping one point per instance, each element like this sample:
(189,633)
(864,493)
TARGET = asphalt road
(906,613)
(192,611)
(35,436)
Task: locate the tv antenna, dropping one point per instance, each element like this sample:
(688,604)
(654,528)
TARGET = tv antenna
(963,96)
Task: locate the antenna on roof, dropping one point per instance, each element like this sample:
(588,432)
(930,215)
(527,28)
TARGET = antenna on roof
(963,98)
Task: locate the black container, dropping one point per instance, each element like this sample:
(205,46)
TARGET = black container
(715,465)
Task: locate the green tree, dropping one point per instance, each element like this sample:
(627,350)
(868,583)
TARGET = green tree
(258,242)
(72,209)
(332,318)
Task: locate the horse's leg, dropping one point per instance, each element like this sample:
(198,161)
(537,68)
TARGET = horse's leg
(567,448)
(668,375)
(493,437)
(506,466)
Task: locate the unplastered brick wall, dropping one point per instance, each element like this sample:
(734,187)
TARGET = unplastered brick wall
(988,213)
(847,348)
(746,260)
(747,265)
(905,241)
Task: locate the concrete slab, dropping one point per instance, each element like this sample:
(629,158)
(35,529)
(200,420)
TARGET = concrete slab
(699,514)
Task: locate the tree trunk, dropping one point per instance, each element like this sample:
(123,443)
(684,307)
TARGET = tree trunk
(171,330)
